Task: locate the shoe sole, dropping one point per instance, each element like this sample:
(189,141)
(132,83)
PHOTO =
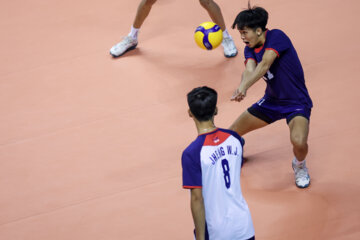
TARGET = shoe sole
(231,56)
(302,186)
(127,50)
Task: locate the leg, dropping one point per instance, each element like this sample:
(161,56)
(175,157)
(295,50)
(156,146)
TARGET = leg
(142,12)
(214,12)
(247,122)
(130,42)
(299,131)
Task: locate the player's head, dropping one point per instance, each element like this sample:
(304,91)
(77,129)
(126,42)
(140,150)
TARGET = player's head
(252,17)
(202,103)
(251,23)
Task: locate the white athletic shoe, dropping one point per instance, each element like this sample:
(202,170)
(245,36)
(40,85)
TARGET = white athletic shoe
(302,177)
(229,47)
(127,44)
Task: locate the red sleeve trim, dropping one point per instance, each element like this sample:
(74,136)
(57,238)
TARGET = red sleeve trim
(190,187)
(277,53)
(249,59)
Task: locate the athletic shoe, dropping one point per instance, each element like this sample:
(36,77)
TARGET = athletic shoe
(229,47)
(302,177)
(127,44)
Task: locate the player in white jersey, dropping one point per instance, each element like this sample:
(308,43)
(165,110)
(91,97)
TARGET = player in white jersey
(211,169)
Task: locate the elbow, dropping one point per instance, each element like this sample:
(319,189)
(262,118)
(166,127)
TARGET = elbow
(197,198)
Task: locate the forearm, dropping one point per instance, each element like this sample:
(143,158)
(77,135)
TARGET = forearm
(198,213)
(251,77)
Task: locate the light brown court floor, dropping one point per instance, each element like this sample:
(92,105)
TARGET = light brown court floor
(90,146)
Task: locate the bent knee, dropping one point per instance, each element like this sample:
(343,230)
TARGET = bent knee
(299,141)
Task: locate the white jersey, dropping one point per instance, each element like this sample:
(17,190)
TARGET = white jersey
(213,162)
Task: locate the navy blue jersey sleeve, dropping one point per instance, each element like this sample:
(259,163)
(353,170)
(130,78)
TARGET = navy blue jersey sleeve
(191,167)
(249,54)
(278,42)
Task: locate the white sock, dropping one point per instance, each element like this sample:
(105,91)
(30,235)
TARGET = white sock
(134,32)
(226,34)
(297,162)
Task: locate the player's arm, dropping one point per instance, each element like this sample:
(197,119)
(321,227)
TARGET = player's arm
(253,73)
(198,212)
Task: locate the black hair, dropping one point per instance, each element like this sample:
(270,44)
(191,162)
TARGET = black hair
(252,17)
(202,102)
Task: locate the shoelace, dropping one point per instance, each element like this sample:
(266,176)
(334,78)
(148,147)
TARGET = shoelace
(301,171)
(124,42)
(227,42)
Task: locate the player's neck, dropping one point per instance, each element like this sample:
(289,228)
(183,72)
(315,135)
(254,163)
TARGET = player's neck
(205,127)
(262,39)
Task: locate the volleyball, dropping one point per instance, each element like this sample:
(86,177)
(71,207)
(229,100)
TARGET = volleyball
(208,35)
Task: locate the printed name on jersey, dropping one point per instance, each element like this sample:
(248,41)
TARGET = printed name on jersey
(220,152)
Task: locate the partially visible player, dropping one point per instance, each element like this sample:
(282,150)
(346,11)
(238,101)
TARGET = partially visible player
(130,42)
(269,54)
(211,169)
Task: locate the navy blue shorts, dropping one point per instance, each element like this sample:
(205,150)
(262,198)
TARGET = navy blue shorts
(270,112)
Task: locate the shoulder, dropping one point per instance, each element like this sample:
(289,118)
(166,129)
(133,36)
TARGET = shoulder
(194,147)
(276,34)
(248,50)
(234,134)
